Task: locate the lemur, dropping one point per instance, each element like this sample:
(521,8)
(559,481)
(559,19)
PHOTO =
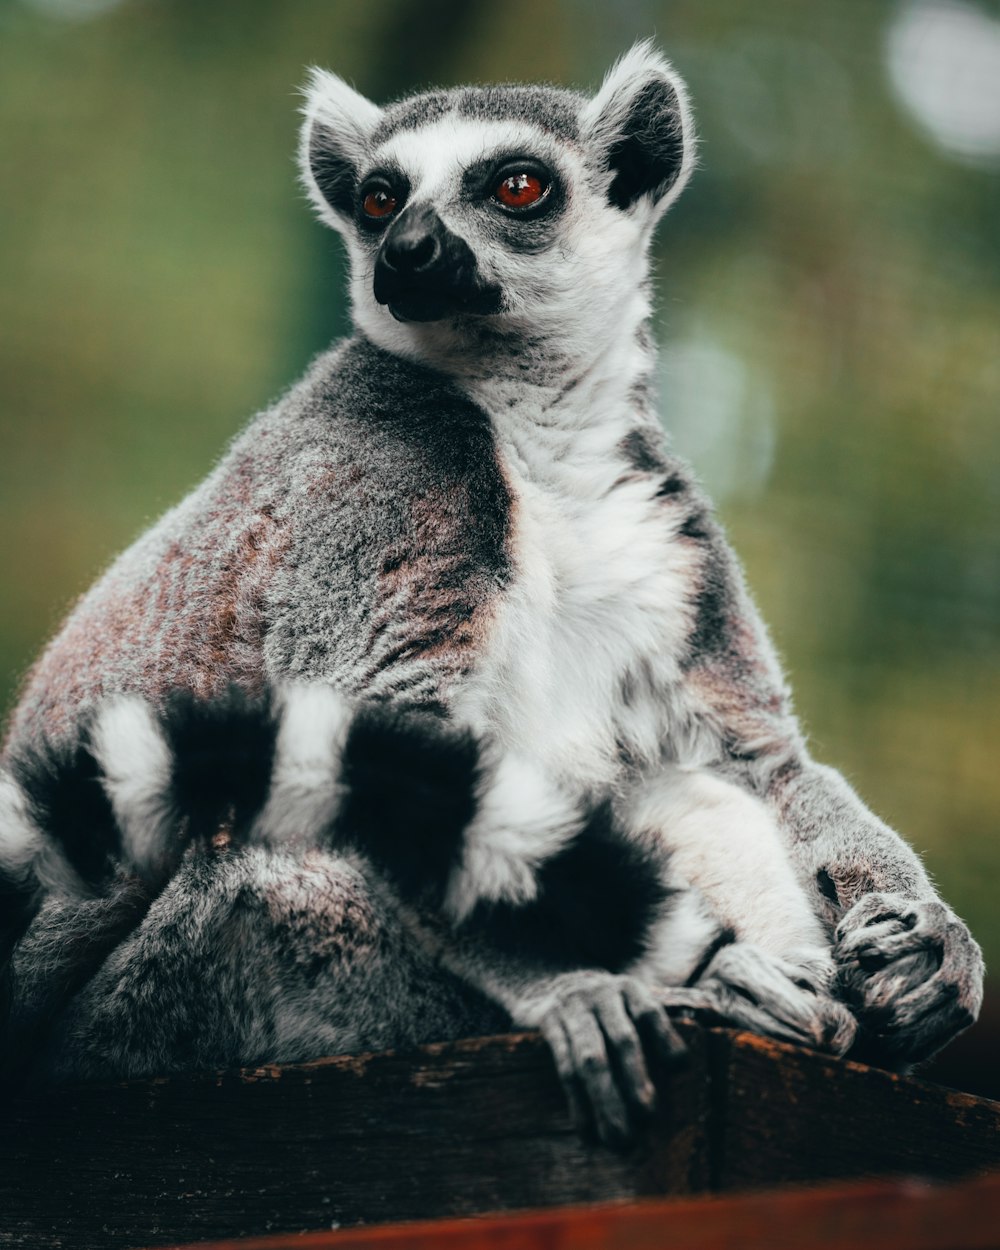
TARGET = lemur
(441,705)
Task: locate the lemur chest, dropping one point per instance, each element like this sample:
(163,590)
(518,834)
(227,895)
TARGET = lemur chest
(586,642)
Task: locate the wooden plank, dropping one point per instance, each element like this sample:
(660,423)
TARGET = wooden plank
(452,1130)
(794,1115)
(874,1216)
(474,1126)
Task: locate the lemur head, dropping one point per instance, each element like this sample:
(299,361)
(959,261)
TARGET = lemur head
(483,212)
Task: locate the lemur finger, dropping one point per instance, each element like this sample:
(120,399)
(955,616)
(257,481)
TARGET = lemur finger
(946,964)
(873,909)
(921,1028)
(760,992)
(658,1035)
(738,1012)
(554,1032)
(626,1053)
(761,979)
(873,990)
(872,948)
(747,995)
(910,926)
(838,1027)
(931,1031)
(951,989)
(608,1110)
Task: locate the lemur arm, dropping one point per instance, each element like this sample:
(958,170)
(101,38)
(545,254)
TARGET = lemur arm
(908,966)
(460,842)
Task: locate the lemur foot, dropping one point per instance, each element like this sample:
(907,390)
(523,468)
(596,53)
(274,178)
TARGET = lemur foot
(911,972)
(605,1031)
(747,988)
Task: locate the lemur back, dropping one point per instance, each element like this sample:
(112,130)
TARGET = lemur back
(443,695)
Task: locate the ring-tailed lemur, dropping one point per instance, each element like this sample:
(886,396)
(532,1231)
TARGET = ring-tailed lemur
(450,674)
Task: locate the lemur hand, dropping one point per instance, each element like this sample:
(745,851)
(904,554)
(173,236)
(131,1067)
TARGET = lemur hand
(605,1031)
(911,972)
(747,988)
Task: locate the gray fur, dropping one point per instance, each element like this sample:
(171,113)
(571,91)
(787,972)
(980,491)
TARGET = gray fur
(549,108)
(479,517)
(247,957)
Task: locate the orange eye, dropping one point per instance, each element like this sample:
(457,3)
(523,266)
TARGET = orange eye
(379,203)
(520,190)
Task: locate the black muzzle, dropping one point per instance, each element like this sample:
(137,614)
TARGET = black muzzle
(423,272)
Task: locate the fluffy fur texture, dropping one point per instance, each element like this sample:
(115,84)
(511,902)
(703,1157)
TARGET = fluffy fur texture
(448,680)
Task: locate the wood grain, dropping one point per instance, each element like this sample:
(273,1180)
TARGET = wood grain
(793,1115)
(452,1130)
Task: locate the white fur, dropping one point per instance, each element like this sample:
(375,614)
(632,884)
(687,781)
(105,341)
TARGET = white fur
(601,590)
(20,840)
(727,843)
(305,792)
(25,854)
(678,941)
(135,759)
(522,820)
(345,114)
(605,115)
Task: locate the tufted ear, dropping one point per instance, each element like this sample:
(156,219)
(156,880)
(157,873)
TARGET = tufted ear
(640,126)
(332,144)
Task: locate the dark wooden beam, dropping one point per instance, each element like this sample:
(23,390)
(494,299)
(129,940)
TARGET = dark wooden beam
(451,1130)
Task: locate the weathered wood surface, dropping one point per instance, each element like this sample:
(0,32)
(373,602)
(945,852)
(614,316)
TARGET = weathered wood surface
(793,1115)
(894,1215)
(451,1130)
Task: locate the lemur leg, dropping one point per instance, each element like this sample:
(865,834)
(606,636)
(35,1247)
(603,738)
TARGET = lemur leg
(63,948)
(726,842)
(776,976)
(908,966)
(252,956)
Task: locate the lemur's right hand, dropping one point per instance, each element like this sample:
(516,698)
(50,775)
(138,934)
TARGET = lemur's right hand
(911,971)
(607,1033)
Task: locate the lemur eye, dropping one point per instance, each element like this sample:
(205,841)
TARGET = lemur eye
(379,203)
(521,190)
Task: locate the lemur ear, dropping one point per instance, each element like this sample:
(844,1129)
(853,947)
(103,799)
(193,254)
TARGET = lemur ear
(332,144)
(641,126)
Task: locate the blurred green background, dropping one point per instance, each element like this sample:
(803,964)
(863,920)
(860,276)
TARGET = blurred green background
(829,306)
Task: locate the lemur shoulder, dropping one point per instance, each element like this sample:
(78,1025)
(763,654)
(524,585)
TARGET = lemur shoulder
(441,704)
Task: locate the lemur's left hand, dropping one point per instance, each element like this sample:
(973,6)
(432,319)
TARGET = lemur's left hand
(912,973)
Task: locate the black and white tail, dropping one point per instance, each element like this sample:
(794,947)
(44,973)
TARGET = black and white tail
(479,836)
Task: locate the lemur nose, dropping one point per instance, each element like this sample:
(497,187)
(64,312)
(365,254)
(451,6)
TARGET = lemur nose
(413,245)
(411,254)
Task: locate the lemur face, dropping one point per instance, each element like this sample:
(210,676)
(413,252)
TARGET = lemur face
(527,206)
